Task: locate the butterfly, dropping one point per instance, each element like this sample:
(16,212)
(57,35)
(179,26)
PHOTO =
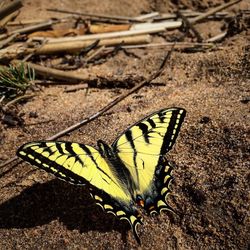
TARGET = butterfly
(130,174)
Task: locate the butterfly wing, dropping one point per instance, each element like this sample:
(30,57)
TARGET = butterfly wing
(81,164)
(141,148)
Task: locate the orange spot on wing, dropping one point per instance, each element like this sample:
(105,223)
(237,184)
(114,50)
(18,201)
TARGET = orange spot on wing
(141,203)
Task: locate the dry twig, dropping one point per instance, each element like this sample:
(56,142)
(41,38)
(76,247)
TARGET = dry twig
(17,49)
(177,45)
(74,46)
(76,88)
(94,53)
(217,38)
(23,97)
(8,40)
(188,13)
(55,73)
(148,16)
(213,11)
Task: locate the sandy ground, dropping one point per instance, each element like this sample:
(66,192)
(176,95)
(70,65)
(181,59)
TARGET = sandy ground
(211,176)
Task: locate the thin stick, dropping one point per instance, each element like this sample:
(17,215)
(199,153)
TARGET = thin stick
(18,99)
(93,54)
(213,11)
(217,38)
(147,16)
(123,18)
(166,44)
(29,55)
(8,40)
(99,113)
(2,98)
(166,16)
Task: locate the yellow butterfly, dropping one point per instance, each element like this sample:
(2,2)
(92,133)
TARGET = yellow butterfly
(130,173)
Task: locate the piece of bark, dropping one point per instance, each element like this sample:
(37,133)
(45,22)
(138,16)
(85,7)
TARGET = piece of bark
(104,28)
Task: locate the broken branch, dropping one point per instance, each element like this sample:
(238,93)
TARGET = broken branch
(11,7)
(213,11)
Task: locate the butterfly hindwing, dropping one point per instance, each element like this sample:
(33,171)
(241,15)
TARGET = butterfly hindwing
(141,148)
(109,205)
(162,181)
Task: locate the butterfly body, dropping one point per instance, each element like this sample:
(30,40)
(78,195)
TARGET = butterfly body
(133,172)
(116,165)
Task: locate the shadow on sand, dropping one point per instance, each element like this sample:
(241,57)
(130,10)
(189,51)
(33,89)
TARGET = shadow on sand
(71,205)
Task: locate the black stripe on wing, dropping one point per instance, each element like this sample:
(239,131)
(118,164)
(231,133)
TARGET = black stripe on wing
(173,129)
(37,159)
(129,138)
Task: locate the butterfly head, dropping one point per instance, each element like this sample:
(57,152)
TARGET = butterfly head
(105,150)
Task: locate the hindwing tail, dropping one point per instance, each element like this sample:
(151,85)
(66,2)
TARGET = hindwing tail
(163,179)
(122,211)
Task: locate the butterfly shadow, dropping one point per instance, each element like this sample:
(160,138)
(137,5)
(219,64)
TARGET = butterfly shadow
(72,205)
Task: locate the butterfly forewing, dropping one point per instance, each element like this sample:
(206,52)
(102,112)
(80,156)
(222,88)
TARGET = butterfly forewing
(142,146)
